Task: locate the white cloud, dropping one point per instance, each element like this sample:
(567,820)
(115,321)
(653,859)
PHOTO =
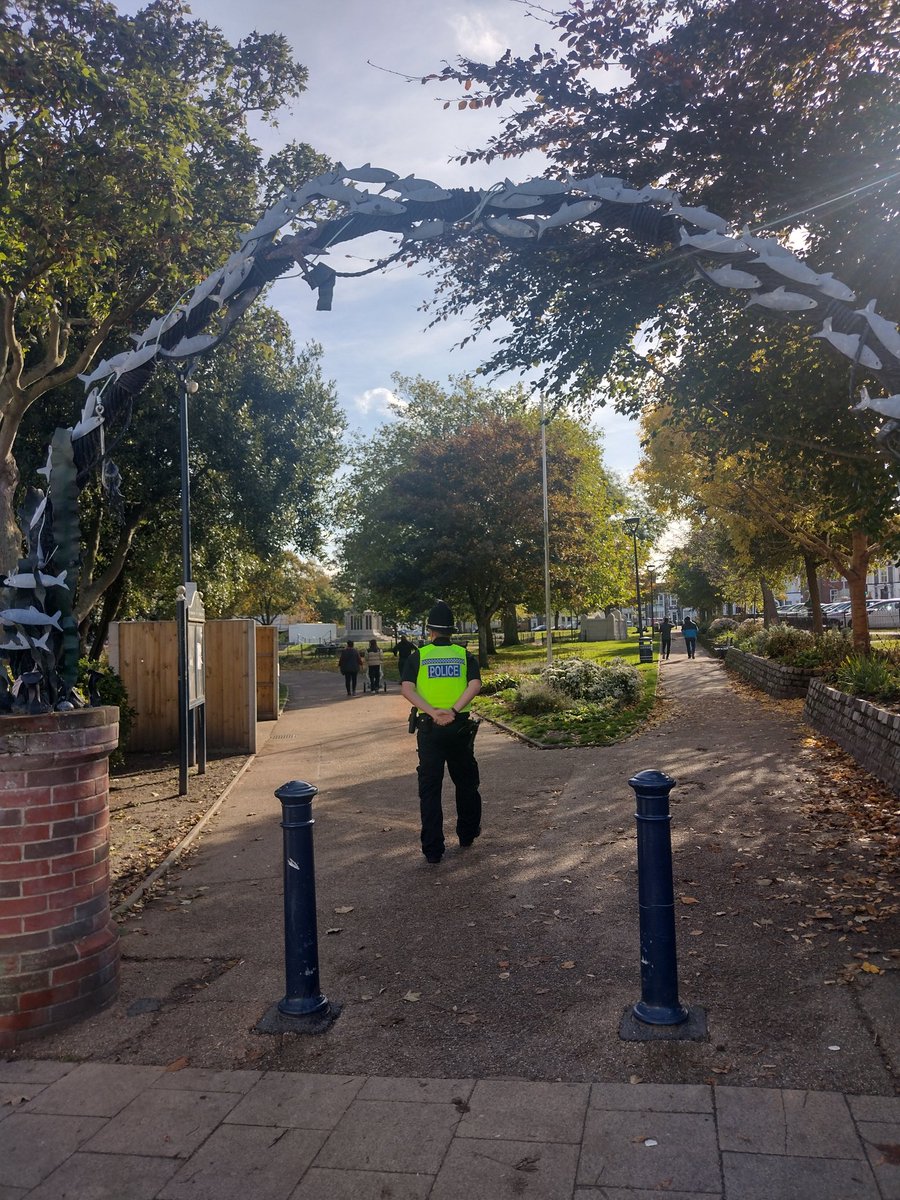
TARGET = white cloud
(375,402)
(477,38)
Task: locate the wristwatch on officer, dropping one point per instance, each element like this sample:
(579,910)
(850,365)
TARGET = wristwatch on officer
(454,711)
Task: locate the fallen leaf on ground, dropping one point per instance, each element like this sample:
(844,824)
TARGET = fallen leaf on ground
(337,929)
(527,1163)
(688,899)
(871,969)
(179,1064)
(344,909)
(412,997)
(566,966)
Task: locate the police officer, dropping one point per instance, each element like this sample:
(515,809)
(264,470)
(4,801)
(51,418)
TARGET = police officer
(441,679)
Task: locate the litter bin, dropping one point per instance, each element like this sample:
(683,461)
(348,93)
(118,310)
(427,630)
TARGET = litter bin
(645,648)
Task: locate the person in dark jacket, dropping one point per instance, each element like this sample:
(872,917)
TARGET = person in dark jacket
(689,630)
(349,664)
(440,680)
(665,638)
(403,650)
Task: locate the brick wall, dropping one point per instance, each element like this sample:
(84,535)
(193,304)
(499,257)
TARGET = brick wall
(59,952)
(871,734)
(780,681)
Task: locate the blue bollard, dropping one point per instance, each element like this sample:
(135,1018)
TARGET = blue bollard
(303,997)
(659,1003)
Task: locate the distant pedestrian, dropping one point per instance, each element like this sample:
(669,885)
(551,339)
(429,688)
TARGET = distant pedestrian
(349,664)
(374,662)
(689,630)
(665,638)
(403,650)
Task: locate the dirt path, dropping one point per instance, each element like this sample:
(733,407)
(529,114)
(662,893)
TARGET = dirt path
(518,957)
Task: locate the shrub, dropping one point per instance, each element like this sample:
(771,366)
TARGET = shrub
(874,676)
(721,625)
(748,628)
(594,682)
(499,683)
(535,697)
(785,641)
(112,691)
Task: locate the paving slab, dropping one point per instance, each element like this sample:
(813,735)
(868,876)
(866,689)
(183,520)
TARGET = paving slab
(33,1070)
(320,1184)
(297,1101)
(13,1096)
(196,1079)
(32,1145)
(246,1161)
(166,1123)
(391,1135)
(875,1108)
(106,1177)
(652,1097)
(422,1091)
(608,1193)
(506,1170)
(882,1146)
(770,1121)
(665,1151)
(517,1110)
(94,1090)
(767,1176)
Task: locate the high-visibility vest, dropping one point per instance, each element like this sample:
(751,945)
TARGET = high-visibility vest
(443,675)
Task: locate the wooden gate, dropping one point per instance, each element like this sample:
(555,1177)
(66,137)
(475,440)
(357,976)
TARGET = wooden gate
(266,673)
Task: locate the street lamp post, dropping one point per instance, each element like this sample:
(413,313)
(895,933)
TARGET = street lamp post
(645,645)
(546,498)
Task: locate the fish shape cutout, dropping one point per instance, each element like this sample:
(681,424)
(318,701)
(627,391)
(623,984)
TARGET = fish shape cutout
(510,227)
(21,642)
(379,206)
(567,213)
(848,343)
(790,267)
(369,174)
(515,200)
(782,300)
(36,579)
(540,187)
(30,616)
(731,277)
(712,242)
(425,230)
(886,406)
(701,217)
(886,331)
(834,288)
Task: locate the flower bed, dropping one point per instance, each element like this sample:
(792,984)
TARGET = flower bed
(777,679)
(869,733)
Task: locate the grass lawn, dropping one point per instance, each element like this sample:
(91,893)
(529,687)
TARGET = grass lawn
(583,724)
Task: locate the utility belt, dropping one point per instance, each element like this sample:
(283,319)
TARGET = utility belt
(419,720)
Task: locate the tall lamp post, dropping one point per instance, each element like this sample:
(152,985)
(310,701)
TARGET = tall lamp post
(546,498)
(645,645)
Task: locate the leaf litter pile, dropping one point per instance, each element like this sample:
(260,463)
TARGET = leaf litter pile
(857,822)
(147,816)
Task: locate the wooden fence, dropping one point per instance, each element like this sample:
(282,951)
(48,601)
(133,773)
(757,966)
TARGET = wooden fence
(266,673)
(145,654)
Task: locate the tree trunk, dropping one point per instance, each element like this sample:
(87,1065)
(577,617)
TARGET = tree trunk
(510,626)
(491,644)
(769,614)
(112,602)
(10,536)
(484,629)
(815,602)
(856,578)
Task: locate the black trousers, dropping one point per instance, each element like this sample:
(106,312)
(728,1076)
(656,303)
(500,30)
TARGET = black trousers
(452,745)
(350,680)
(374,678)
(665,645)
(690,646)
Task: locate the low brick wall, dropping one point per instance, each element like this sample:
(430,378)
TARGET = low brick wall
(781,682)
(869,733)
(59,949)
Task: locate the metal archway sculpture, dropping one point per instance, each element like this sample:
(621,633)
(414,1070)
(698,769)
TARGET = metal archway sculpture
(40,636)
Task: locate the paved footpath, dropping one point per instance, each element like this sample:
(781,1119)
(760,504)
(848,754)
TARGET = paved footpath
(140,1104)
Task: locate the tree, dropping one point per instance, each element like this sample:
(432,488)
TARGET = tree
(274,586)
(126,171)
(459,513)
(265,432)
(773,115)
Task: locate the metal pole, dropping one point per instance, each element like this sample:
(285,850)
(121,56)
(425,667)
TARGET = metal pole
(549,631)
(185,716)
(303,996)
(659,1003)
(637,586)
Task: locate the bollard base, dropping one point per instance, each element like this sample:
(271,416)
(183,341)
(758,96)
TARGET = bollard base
(694,1029)
(275,1021)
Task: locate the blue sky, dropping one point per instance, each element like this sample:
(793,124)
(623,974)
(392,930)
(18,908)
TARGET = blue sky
(356,113)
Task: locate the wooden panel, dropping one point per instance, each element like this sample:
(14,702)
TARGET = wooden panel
(148,664)
(266,673)
(231,686)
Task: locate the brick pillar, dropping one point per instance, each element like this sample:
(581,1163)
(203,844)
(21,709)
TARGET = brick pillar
(59,949)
